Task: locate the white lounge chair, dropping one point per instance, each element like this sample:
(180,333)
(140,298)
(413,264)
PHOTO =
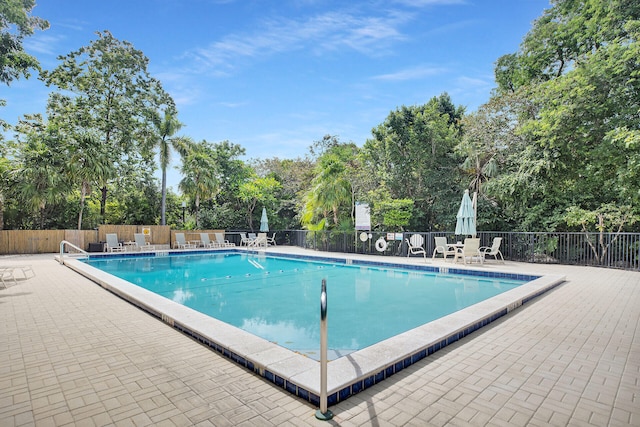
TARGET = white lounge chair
(470,250)
(493,250)
(206,242)
(442,247)
(141,243)
(8,274)
(181,242)
(415,245)
(113,245)
(221,242)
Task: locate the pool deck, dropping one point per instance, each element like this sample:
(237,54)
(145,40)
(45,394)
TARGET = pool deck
(73,354)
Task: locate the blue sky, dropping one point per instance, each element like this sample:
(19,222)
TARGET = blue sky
(275,76)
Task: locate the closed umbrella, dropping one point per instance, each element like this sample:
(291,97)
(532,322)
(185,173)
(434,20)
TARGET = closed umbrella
(466,218)
(264,221)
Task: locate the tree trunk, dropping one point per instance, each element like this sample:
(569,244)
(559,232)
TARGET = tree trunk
(103,202)
(83,193)
(163,205)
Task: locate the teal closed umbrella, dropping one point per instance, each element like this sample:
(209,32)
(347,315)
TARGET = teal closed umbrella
(466,218)
(264,221)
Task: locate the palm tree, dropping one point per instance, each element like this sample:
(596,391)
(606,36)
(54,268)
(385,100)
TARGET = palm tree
(38,179)
(330,191)
(166,127)
(89,163)
(199,171)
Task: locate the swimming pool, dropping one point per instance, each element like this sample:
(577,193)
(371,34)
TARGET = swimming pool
(347,375)
(277,298)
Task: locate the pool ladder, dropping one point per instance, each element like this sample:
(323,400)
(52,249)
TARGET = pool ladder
(78,252)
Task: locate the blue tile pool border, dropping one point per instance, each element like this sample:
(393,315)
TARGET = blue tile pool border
(358,385)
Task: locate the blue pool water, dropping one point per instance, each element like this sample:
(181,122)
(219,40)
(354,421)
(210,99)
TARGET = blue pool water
(279,299)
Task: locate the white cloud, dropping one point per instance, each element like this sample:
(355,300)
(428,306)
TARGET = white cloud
(411,73)
(43,44)
(331,31)
(474,82)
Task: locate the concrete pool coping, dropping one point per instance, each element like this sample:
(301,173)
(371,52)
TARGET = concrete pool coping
(347,375)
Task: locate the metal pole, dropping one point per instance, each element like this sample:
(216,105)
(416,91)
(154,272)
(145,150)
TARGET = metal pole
(323,413)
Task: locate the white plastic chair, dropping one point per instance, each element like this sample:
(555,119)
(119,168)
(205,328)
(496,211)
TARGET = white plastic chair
(141,243)
(415,245)
(442,247)
(470,249)
(493,250)
(206,242)
(113,245)
(260,240)
(181,242)
(222,242)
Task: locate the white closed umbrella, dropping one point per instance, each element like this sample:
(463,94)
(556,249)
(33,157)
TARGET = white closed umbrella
(466,218)
(264,221)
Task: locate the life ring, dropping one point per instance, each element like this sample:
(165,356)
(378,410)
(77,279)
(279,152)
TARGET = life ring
(381,245)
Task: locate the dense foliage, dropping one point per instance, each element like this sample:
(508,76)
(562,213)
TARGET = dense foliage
(556,147)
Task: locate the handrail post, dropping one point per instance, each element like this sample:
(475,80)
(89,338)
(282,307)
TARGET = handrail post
(323,413)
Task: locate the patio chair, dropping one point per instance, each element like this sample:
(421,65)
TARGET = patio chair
(272,240)
(206,242)
(222,242)
(8,274)
(260,240)
(442,247)
(470,249)
(415,245)
(244,240)
(113,245)
(493,250)
(181,242)
(141,243)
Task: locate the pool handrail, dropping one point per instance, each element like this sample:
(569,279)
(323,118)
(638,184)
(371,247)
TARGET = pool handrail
(323,413)
(69,244)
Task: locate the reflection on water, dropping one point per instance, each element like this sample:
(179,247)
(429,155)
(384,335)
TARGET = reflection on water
(282,332)
(181,296)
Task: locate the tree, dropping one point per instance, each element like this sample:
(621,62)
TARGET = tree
(258,191)
(294,176)
(15,24)
(38,178)
(330,199)
(89,164)
(607,218)
(396,213)
(105,89)
(577,76)
(410,153)
(163,137)
(200,180)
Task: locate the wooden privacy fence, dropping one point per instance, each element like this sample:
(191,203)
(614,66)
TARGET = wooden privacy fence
(32,241)
(48,241)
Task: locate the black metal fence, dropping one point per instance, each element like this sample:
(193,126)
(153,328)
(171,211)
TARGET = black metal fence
(610,250)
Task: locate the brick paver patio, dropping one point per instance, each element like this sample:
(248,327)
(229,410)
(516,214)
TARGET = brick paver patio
(73,354)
